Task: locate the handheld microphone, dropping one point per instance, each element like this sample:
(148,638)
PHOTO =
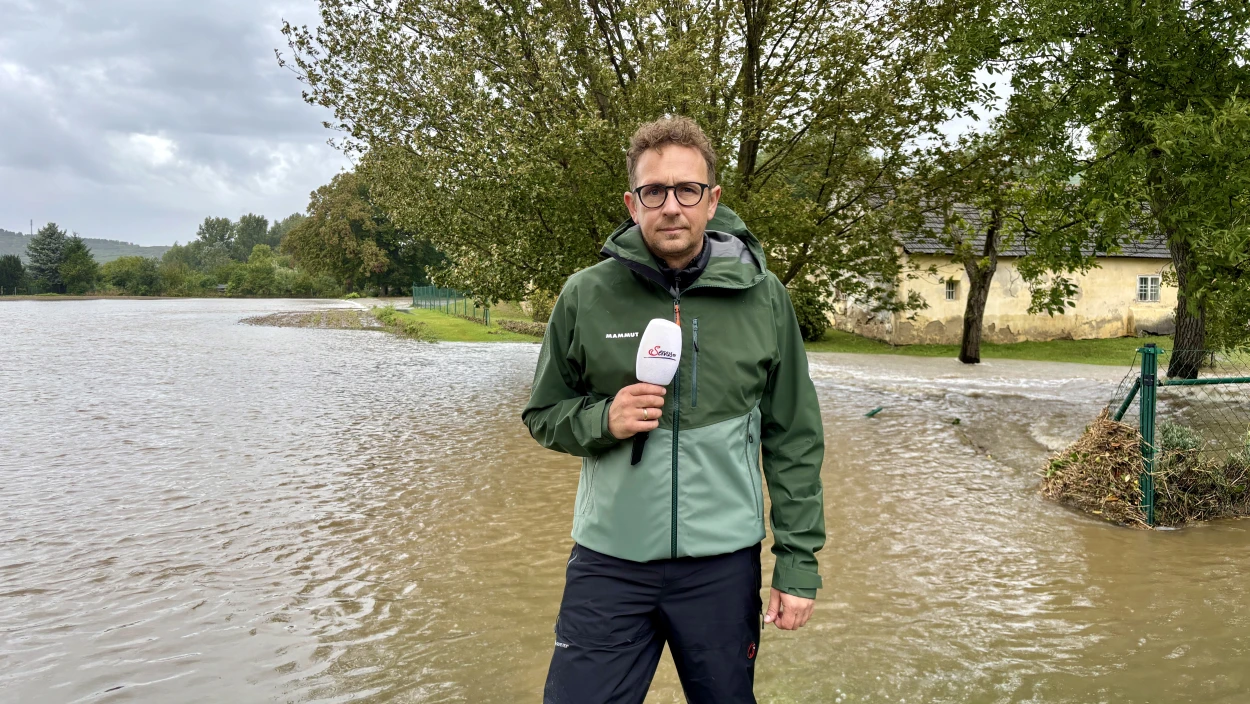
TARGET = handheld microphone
(659,352)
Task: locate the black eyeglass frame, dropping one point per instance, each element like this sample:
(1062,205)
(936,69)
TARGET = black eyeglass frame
(703,188)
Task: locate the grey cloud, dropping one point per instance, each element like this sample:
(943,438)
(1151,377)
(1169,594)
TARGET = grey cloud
(135,120)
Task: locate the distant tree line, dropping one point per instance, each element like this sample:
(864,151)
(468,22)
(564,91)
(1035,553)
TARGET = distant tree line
(345,244)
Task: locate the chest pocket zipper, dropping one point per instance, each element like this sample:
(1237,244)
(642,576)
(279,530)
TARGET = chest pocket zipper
(694,371)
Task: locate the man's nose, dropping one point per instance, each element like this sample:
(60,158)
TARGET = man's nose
(671,206)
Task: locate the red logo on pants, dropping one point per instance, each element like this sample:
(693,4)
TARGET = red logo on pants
(751,652)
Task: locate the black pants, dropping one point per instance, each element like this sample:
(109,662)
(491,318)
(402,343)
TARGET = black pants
(617,615)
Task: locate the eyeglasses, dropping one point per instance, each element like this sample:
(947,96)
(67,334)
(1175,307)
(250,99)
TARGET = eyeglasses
(654,195)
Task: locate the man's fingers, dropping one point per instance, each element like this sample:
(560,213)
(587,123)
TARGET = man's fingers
(641,389)
(790,620)
(774,606)
(649,401)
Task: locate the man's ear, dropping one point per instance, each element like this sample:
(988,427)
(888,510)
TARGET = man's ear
(629,205)
(713,200)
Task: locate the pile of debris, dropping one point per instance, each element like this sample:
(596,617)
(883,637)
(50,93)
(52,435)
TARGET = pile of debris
(1101,474)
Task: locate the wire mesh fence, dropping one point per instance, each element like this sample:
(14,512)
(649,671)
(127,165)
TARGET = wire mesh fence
(450,301)
(1194,429)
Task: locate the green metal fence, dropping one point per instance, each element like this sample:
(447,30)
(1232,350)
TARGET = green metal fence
(1208,415)
(450,301)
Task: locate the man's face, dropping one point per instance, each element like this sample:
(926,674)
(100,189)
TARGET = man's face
(674,232)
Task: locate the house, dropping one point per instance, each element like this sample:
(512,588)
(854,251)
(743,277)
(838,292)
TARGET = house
(1125,296)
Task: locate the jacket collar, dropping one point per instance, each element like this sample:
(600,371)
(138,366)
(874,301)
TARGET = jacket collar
(735,257)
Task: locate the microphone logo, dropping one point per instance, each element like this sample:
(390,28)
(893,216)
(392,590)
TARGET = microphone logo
(657,351)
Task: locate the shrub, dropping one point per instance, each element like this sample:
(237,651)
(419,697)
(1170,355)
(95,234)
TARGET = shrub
(811,307)
(524,328)
(1174,437)
(134,275)
(541,303)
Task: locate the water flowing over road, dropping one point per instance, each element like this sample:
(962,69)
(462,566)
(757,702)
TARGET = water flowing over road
(194,510)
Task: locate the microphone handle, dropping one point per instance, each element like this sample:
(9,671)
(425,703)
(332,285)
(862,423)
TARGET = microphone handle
(640,440)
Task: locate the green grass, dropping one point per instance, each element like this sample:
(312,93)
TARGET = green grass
(448,328)
(506,310)
(1116,352)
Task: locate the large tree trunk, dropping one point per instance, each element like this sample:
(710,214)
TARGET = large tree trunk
(979,278)
(1191,326)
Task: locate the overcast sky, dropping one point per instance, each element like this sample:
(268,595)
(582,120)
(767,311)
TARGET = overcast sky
(135,119)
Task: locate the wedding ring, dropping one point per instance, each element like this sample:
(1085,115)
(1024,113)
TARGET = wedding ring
(644,415)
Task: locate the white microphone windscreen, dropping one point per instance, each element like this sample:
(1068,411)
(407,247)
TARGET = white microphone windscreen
(659,351)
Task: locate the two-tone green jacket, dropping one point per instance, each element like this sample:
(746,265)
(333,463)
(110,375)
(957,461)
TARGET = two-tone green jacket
(742,387)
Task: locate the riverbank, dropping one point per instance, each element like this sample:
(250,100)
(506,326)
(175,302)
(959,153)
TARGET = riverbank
(449,328)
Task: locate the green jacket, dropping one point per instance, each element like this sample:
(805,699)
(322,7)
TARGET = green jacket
(742,387)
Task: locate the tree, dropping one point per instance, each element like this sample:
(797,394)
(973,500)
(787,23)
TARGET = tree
(78,268)
(249,231)
(983,196)
(1211,202)
(216,231)
(258,277)
(499,131)
(1103,83)
(45,253)
(12,273)
(344,233)
(280,228)
(973,200)
(135,276)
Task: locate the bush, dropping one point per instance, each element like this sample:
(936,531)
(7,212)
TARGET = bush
(541,304)
(524,328)
(134,275)
(812,308)
(1178,438)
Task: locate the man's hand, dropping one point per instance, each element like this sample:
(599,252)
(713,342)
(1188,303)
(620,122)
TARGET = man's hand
(636,409)
(788,612)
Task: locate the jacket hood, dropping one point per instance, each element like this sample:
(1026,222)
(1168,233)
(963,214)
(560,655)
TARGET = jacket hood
(737,259)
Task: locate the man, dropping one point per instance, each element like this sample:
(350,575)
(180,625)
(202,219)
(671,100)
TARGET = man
(668,549)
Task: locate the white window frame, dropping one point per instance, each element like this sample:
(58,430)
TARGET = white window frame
(1148,288)
(952,289)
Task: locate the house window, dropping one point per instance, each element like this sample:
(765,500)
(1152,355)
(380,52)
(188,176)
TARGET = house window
(952,290)
(1148,288)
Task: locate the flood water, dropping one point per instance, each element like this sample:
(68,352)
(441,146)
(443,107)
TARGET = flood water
(194,510)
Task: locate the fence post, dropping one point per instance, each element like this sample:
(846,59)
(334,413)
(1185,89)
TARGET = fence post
(1149,385)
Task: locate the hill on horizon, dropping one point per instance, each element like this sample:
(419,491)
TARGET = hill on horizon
(103,250)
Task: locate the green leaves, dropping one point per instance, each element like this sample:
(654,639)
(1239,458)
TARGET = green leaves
(499,129)
(78,268)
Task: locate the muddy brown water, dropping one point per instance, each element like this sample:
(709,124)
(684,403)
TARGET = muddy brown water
(194,510)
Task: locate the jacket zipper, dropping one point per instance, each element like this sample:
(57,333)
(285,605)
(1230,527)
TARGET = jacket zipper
(694,372)
(676,428)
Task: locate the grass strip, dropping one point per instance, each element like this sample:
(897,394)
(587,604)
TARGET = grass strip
(1117,352)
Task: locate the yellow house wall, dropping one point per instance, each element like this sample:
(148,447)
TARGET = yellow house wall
(1106,306)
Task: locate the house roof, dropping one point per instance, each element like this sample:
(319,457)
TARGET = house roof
(928,241)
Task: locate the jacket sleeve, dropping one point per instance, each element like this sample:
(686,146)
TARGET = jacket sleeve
(561,415)
(794,448)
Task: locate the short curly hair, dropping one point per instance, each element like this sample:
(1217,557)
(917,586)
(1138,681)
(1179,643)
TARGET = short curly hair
(670,130)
